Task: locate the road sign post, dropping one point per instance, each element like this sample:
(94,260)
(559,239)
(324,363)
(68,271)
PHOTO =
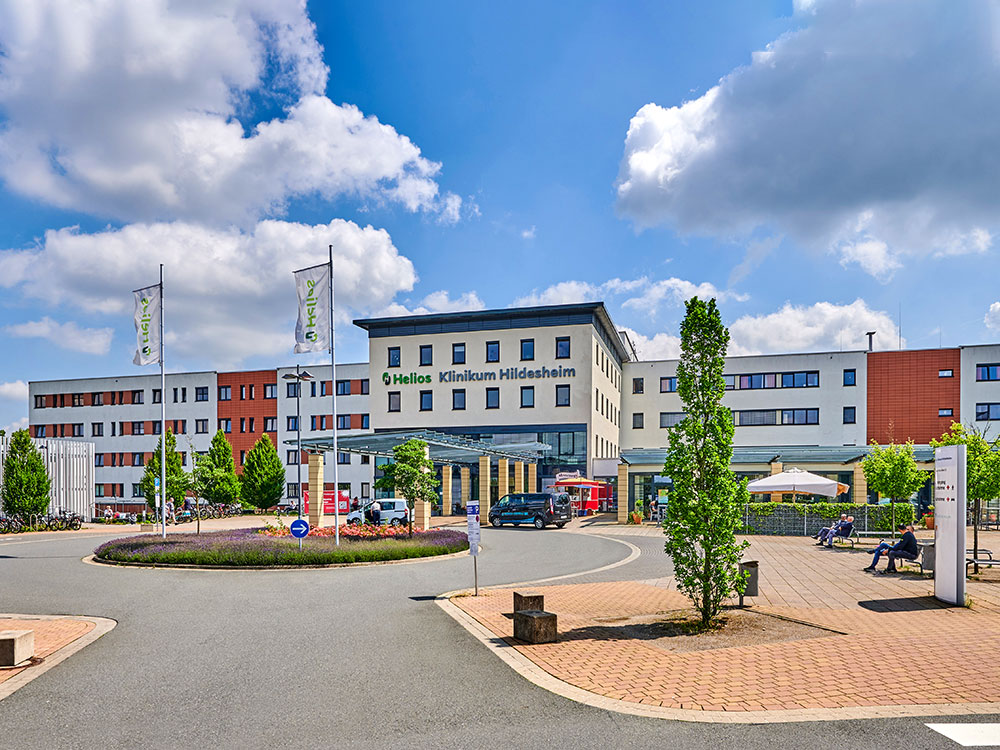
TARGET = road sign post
(472,518)
(299,528)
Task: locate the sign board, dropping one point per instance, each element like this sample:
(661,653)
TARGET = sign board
(472,516)
(949,524)
(345,502)
(299,528)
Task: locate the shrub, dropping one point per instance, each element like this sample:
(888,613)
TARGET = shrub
(25,489)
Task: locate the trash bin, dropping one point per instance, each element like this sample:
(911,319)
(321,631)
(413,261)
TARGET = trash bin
(750,566)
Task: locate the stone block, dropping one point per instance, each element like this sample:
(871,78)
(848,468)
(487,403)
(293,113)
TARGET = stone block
(16,646)
(525,600)
(533,626)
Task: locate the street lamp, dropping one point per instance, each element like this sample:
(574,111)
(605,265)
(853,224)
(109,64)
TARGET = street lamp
(300,377)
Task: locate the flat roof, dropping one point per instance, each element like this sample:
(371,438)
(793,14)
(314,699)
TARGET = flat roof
(443,449)
(790,454)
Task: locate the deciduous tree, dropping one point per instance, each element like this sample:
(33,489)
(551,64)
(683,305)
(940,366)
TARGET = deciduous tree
(892,472)
(178,481)
(25,489)
(410,475)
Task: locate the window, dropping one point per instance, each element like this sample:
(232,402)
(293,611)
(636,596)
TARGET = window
(136,398)
(201,426)
(492,398)
(730,382)
(176,392)
(527,350)
(850,377)
(757,417)
(562,347)
(39,402)
(343,387)
(946,374)
(393,356)
(562,395)
(394,404)
(138,428)
(638,420)
(800,416)
(343,421)
(96,399)
(157,396)
(243,424)
(98,490)
(270,390)
(458,399)
(364,387)
(365,459)
(638,385)
(136,490)
(292,389)
(200,393)
(988,412)
(987,372)
(317,422)
(98,459)
(799,380)
(97,429)
(670,418)
(492,351)
(668,385)
(850,415)
(291,457)
(426,401)
(270,424)
(181,426)
(366,488)
(138,459)
(426,355)
(343,458)
(157,427)
(226,425)
(944,412)
(458,354)
(292,424)
(40,431)
(527,397)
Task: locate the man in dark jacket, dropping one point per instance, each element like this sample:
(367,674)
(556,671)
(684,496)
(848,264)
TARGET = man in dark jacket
(906,549)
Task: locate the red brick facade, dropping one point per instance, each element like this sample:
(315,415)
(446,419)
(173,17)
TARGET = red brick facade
(241,406)
(905,394)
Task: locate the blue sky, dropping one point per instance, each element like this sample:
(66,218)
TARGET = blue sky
(819,167)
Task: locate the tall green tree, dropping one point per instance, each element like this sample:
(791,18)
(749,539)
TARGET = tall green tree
(178,481)
(215,476)
(982,470)
(410,475)
(704,509)
(25,489)
(892,472)
(263,481)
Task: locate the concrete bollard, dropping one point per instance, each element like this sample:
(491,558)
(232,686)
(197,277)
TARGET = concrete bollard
(16,646)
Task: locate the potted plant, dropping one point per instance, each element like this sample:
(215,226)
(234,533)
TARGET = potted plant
(929,517)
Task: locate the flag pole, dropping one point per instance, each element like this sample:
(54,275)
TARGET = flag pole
(333,398)
(163,420)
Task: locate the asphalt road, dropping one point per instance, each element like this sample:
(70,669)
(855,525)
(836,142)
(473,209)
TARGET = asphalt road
(340,658)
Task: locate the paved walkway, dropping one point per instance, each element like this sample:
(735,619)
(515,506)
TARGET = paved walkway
(908,652)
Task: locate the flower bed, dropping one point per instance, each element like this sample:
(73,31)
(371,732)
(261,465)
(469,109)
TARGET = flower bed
(355,531)
(250,547)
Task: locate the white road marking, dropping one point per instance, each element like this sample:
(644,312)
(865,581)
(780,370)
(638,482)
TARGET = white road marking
(970,735)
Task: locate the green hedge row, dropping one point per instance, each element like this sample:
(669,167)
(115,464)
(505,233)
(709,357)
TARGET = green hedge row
(879,517)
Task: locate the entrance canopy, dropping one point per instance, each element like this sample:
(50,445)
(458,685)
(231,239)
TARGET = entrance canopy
(443,449)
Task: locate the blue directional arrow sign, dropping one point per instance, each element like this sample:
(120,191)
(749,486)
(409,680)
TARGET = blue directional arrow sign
(299,528)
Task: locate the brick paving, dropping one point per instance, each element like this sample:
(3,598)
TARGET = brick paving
(50,636)
(906,649)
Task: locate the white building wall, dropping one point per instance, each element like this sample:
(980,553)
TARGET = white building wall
(975,391)
(830,397)
(604,428)
(70,466)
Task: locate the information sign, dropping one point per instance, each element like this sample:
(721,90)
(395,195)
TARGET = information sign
(472,516)
(949,524)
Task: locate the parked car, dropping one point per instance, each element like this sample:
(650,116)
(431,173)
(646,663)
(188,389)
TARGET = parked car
(394,512)
(535,508)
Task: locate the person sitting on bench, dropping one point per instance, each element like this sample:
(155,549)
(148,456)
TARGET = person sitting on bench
(843,529)
(827,531)
(906,549)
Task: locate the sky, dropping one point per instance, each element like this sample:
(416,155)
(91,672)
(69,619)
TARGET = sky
(821,167)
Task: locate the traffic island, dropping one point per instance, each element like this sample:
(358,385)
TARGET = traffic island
(271,548)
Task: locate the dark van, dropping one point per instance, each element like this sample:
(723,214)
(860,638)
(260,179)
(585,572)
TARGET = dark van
(537,508)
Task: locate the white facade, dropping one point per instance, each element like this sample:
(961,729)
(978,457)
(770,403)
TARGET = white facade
(980,399)
(761,410)
(70,466)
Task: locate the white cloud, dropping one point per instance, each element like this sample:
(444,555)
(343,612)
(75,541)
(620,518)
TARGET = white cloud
(16,391)
(866,132)
(992,319)
(823,326)
(675,292)
(19,424)
(658,346)
(528,234)
(646,295)
(563,293)
(143,110)
(229,294)
(65,335)
(437,302)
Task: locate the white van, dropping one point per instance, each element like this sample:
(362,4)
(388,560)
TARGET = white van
(394,512)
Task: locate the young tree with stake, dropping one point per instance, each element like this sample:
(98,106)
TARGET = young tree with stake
(410,475)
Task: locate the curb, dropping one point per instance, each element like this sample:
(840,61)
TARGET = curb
(102,625)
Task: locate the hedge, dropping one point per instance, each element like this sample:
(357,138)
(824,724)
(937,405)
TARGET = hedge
(802,519)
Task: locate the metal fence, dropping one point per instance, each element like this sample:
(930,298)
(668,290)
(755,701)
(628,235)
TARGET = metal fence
(786,519)
(70,464)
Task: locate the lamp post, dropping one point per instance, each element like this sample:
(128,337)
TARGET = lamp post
(299,377)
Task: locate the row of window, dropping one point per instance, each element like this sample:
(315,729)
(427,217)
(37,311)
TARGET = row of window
(343,458)
(118,459)
(667,385)
(292,390)
(607,366)
(366,489)
(606,407)
(751,417)
(458,354)
(458,398)
(802,379)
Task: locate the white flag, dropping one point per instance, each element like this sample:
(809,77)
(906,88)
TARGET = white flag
(312,329)
(147,325)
